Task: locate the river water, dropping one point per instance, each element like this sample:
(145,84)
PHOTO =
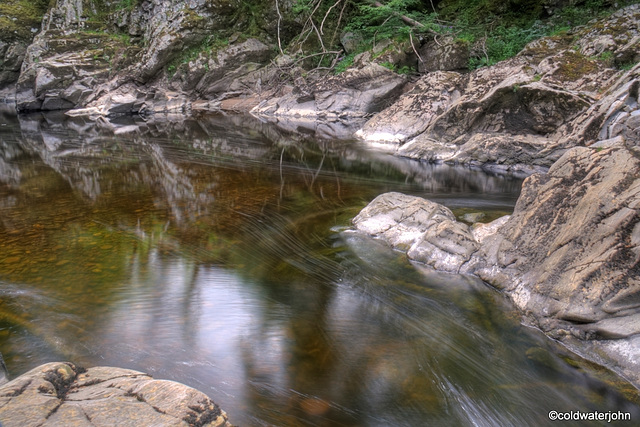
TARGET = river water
(217,252)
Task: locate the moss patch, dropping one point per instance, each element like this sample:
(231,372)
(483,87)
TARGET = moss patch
(19,17)
(574,66)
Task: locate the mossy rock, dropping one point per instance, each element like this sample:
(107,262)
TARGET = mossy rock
(18,18)
(573,66)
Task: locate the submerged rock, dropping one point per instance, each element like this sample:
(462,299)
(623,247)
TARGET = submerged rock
(57,394)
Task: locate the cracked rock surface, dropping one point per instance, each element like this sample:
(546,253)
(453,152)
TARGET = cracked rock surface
(62,394)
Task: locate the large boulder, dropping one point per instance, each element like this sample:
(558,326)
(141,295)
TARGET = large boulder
(68,58)
(428,231)
(414,111)
(173,27)
(58,394)
(443,54)
(224,70)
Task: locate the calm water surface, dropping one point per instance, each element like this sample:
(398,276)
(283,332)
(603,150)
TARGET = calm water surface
(216,252)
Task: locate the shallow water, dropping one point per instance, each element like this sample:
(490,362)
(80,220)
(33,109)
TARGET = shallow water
(217,252)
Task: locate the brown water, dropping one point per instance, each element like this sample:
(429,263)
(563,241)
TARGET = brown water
(216,252)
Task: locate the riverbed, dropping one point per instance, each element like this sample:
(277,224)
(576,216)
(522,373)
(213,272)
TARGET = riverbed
(218,252)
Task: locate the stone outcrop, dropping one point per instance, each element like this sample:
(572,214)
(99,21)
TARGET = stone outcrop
(19,22)
(355,93)
(68,59)
(146,58)
(61,72)
(57,394)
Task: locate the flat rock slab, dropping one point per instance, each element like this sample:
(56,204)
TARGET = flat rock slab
(62,394)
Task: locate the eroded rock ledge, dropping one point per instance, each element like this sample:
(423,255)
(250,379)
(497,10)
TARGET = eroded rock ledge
(62,394)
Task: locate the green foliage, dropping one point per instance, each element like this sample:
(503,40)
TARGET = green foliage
(388,65)
(400,70)
(626,66)
(18,17)
(502,29)
(506,42)
(127,4)
(344,64)
(494,31)
(606,56)
(405,70)
(385,22)
(301,7)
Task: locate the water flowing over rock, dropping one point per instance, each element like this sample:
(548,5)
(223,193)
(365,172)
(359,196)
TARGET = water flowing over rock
(62,394)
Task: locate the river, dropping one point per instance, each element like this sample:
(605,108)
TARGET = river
(217,252)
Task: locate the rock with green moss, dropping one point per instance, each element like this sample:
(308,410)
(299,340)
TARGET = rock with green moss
(70,57)
(19,22)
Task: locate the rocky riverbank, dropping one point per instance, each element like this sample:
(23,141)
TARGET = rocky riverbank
(567,104)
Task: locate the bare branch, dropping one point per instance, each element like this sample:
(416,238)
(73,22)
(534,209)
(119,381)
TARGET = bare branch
(335,32)
(327,14)
(414,48)
(279,19)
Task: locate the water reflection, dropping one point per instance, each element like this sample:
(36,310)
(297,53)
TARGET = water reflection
(210,252)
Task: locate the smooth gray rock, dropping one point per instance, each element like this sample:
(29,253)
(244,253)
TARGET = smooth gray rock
(427,231)
(354,93)
(56,394)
